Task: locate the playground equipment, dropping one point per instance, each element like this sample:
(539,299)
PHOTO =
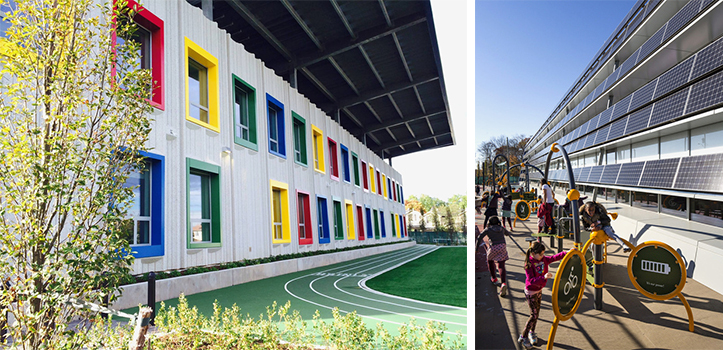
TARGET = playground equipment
(654,268)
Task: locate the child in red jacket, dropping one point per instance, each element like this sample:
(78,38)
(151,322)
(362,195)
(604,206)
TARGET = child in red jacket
(536,273)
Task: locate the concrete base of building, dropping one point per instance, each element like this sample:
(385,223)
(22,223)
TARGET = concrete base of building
(137,293)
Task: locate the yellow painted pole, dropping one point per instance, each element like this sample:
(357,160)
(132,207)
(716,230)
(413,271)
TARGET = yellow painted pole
(551,338)
(688,309)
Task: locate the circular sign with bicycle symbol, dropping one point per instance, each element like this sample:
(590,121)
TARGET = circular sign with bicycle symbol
(568,287)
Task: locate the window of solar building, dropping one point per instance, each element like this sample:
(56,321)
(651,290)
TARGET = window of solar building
(646,150)
(708,212)
(622,154)
(707,139)
(647,201)
(674,205)
(623,196)
(674,146)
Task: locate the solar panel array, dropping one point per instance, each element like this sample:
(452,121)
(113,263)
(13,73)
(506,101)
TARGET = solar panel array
(621,107)
(602,135)
(682,17)
(659,173)
(584,173)
(643,95)
(595,174)
(638,120)
(652,43)
(708,59)
(605,116)
(705,93)
(610,173)
(674,77)
(701,173)
(630,174)
(617,128)
(669,108)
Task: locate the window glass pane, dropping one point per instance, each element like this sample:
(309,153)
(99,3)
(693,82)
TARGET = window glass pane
(707,139)
(277,206)
(273,131)
(302,222)
(297,141)
(143,37)
(195,196)
(674,205)
(242,114)
(623,155)
(320,217)
(707,212)
(197,91)
(623,196)
(140,205)
(610,158)
(143,232)
(674,146)
(647,201)
(316,151)
(646,150)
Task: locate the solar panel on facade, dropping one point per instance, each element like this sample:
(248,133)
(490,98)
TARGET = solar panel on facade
(584,173)
(617,128)
(602,135)
(629,63)
(621,107)
(683,16)
(610,173)
(659,173)
(674,77)
(701,173)
(638,120)
(708,59)
(595,174)
(590,140)
(705,93)
(669,108)
(576,173)
(643,95)
(652,43)
(630,174)
(593,123)
(605,116)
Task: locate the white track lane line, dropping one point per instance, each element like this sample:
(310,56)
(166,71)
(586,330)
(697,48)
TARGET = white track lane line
(286,287)
(362,285)
(377,262)
(401,298)
(365,261)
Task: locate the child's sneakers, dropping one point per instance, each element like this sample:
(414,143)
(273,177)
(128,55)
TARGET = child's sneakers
(503,290)
(494,280)
(524,342)
(533,338)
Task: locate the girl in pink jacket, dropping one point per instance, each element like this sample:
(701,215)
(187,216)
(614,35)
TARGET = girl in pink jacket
(536,265)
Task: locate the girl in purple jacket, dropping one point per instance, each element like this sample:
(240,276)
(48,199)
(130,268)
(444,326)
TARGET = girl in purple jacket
(536,273)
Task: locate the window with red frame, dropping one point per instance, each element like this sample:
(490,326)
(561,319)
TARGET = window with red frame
(364,175)
(360,222)
(149,34)
(379,182)
(304,215)
(334,160)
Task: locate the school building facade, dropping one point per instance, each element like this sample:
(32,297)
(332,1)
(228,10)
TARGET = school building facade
(643,124)
(275,125)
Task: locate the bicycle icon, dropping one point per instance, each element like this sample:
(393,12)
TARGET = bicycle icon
(571,281)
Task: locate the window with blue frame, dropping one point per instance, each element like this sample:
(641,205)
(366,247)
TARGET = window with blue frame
(345,171)
(401,226)
(322,218)
(384,227)
(390,189)
(277,138)
(370,228)
(144,224)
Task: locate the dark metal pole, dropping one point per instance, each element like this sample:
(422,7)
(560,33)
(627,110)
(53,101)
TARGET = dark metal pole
(152,295)
(598,271)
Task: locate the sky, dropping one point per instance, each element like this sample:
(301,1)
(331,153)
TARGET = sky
(442,172)
(529,54)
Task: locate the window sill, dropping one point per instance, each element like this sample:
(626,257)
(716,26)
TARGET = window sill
(281,241)
(203,245)
(280,155)
(205,125)
(248,144)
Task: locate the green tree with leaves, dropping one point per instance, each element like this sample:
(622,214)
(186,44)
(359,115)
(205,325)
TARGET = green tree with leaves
(74,115)
(437,223)
(422,224)
(450,225)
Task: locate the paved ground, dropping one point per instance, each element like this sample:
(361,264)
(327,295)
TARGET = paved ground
(341,285)
(628,319)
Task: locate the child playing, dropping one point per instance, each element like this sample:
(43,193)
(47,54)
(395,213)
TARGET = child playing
(507,211)
(496,251)
(536,273)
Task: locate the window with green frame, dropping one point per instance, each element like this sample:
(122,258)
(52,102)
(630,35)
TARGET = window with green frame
(338,221)
(376,224)
(299,129)
(203,204)
(244,113)
(355,165)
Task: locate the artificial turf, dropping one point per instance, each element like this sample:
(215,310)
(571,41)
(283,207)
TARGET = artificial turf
(438,277)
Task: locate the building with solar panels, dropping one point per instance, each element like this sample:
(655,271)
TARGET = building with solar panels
(275,125)
(643,125)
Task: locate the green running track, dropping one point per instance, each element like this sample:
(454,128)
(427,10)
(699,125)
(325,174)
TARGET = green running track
(343,286)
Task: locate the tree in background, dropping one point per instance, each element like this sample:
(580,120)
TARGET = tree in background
(422,224)
(70,135)
(511,147)
(450,225)
(435,217)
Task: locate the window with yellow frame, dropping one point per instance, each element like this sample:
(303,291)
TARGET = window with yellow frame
(371,176)
(280,225)
(351,232)
(317,141)
(202,106)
